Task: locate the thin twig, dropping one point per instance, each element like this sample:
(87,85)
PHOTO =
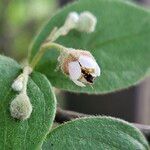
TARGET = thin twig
(65,115)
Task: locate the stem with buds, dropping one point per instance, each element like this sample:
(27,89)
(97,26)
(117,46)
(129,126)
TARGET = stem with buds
(70,23)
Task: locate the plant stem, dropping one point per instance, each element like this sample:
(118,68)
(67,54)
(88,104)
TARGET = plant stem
(65,115)
(49,43)
(26,72)
(43,49)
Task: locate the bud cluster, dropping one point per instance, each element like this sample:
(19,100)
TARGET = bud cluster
(20,107)
(83,22)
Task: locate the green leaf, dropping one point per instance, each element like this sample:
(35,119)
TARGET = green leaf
(28,134)
(96,133)
(119,44)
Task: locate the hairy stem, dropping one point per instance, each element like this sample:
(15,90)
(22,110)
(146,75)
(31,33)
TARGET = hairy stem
(49,42)
(65,115)
(26,72)
(45,47)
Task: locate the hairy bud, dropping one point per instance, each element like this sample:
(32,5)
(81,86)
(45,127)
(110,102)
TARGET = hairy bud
(87,22)
(18,84)
(21,107)
(72,20)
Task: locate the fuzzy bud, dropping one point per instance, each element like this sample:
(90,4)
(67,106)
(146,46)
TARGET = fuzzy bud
(21,107)
(18,84)
(71,20)
(87,22)
(80,66)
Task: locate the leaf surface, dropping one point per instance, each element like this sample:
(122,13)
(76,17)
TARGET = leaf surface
(28,134)
(96,133)
(119,44)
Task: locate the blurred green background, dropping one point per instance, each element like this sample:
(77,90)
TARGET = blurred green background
(20,20)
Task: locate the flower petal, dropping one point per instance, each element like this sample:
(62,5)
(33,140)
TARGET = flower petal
(97,70)
(74,70)
(87,61)
(78,83)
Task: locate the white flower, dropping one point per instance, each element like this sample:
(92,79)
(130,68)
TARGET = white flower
(80,66)
(87,22)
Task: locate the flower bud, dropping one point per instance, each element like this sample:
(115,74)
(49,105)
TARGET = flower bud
(80,66)
(21,107)
(87,22)
(18,84)
(71,21)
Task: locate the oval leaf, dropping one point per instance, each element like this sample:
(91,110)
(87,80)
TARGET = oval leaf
(28,134)
(96,133)
(119,45)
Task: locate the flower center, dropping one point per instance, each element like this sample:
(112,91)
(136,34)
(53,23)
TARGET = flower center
(89,78)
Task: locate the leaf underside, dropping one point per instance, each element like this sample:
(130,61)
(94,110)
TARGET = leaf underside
(119,44)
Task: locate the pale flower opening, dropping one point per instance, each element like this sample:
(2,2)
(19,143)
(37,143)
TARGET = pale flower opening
(80,66)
